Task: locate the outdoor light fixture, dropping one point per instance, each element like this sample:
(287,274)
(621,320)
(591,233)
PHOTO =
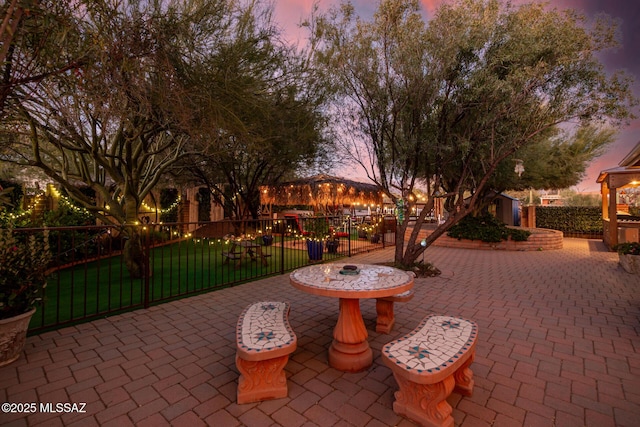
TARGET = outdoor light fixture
(519,167)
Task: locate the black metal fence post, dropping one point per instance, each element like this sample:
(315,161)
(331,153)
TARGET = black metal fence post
(282,269)
(147,270)
(349,237)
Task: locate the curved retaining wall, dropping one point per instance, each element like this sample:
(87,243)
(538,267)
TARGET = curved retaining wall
(541,239)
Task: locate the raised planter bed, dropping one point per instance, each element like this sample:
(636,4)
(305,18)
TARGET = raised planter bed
(541,239)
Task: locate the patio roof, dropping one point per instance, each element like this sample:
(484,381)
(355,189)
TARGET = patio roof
(626,173)
(613,183)
(321,191)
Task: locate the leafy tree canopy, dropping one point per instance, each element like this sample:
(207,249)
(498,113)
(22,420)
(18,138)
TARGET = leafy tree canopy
(159,82)
(449,104)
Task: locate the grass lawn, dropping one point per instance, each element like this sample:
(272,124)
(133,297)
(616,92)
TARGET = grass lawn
(187,267)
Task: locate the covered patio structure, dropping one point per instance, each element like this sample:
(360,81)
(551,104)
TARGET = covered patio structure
(324,193)
(620,189)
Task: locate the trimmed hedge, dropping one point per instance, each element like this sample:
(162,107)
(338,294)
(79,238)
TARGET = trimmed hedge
(486,228)
(570,219)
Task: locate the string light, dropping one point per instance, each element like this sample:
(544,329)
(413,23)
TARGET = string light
(29,209)
(68,203)
(148,208)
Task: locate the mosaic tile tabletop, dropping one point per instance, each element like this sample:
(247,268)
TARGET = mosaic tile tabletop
(371,279)
(435,344)
(264,326)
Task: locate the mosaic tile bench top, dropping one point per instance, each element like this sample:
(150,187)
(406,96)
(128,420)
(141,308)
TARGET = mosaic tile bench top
(370,280)
(401,297)
(263,327)
(405,294)
(435,344)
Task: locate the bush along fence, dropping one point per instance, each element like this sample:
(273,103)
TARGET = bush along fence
(573,221)
(88,277)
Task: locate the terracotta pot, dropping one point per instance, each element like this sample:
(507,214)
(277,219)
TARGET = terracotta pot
(13,335)
(630,263)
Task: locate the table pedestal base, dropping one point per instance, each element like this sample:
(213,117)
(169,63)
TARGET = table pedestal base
(350,351)
(350,357)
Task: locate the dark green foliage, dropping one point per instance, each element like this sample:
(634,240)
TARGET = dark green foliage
(12,196)
(23,271)
(68,214)
(317,228)
(486,228)
(204,204)
(81,241)
(576,219)
(168,198)
(519,235)
(629,248)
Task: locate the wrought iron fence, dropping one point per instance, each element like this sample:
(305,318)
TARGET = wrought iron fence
(89,278)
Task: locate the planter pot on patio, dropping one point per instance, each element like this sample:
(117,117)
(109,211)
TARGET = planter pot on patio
(13,335)
(314,248)
(630,263)
(332,246)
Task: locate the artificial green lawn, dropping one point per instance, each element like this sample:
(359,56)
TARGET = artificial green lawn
(187,267)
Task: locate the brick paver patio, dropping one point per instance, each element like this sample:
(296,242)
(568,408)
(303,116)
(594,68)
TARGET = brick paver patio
(558,346)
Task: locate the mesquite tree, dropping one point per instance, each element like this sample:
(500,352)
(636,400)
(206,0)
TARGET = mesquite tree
(443,105)
(272,122)
(125,116)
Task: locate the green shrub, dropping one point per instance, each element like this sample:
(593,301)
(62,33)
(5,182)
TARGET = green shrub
(70,243)
(518,235)
(10,196)
(629,248)
(168,199)
(317,227)
(23,271)
(486,228)
(67,214)
(570,219)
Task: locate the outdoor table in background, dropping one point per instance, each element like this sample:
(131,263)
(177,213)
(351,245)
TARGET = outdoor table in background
(350,350)
(245,249)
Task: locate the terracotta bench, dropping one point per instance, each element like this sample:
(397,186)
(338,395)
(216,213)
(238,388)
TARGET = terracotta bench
(384,310)
(264,341)
(428,363)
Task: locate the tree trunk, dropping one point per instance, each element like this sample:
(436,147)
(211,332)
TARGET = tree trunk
(408,252)
(133,253)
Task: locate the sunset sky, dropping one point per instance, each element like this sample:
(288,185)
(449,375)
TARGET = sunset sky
(289,13)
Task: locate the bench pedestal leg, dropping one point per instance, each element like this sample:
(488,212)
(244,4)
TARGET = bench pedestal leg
(386,317)
(464,377)
(425,403)
(261,380)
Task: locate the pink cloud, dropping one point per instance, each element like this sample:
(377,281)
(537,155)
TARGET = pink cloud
(430,5)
